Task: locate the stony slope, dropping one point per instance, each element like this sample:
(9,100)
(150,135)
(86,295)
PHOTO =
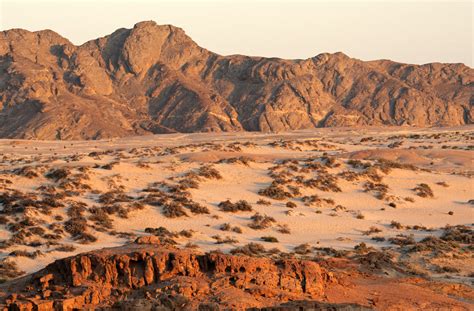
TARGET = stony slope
(155,79)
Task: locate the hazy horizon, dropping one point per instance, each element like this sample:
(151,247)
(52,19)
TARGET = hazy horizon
(407,31)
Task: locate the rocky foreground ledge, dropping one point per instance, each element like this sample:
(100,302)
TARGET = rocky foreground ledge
(166,276)
(146,275)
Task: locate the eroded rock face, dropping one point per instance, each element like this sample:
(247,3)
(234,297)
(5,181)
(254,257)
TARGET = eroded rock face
(155,79)
(148,275)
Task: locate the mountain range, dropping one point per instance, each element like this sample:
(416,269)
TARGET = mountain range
(155,79)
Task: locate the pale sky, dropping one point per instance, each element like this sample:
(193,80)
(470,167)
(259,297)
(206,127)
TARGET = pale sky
(410,31)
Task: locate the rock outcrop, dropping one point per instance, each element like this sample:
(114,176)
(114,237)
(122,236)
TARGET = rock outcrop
(147,275)
(155,79)
(144,276)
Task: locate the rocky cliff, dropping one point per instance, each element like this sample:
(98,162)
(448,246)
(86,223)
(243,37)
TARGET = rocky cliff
(147,276)
(155,79)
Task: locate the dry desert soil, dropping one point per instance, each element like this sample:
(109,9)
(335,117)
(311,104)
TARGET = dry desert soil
(322,219)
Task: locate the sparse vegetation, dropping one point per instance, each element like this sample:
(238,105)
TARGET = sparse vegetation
(269,239)
(275,192)
(260,222)
(239,206)
(423,190)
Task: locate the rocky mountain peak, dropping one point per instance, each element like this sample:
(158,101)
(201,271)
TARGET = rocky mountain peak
(155,79)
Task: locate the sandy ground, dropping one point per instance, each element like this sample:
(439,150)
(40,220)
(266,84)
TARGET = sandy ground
(443,160)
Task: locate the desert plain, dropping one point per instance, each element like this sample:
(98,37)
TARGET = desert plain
(403,195)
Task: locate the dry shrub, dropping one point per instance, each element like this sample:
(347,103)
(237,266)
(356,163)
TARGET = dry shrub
(57,174)
(359,164)
(460,233)
(209,172)
(275,192)
(379,189)
(226,240)
(396,225)
(24,253)
(65,248)
(290,204)
(269,239)
(239,206)
(264,202)
(423,190)
(359,215)
(402,240)
(387,165)
(229,227)
(372,230)
(75,226)
(443,184)
(9,270)
(324,182)
(173,210)
(303,249)
(251,249)
(26,171)
(283,228)
(100,217)
(197,208)
(260,222)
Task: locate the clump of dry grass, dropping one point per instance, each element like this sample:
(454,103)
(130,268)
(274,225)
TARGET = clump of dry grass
(460,233)
(396,225)
(359,164)
(100,217)
(315,200)
(387,165)
(290,204)
(443,184)
(114,196)
(58,174)
(324,182)
(269,239)
(402,240)
(26,171)
(226,240)
(275,192)
(197,208)
(423,190)
(372,230)
(24,253)
(209,172)
(9,270)
(359,215)
(75,226)
(283,228)
(173,210)
(229,227)
(166,236)
(260,222)
(380,189)
(239,160)
(349,175)
(303,249)
(191,245)
(253,249)
(65,248)
(239,206)
(264,202)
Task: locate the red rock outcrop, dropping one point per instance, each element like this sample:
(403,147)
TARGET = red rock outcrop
(156,275)
(155,79)
(149,276)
